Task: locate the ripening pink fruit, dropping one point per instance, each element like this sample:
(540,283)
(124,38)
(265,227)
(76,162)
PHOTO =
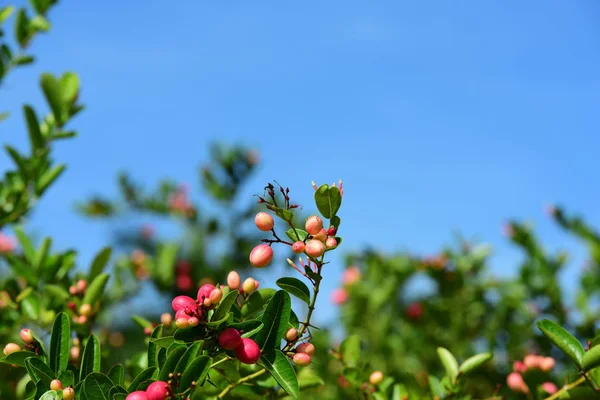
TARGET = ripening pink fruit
(313,225)
(26,336)
(291,334)
(81,285)
(546,364)
(314,248)
(264,221)
(182,323)
(339,296)
(519,366)
(261,255)
(216,296)
(166,319)
(247,351)
(182,302)
(532,361)
(73,290)
(298,247)
(68,393)
(56,385)
(331,243)
(193,321)
(137,395)
(321,236)
(74,354)
(204,291)
(376,378)
(233,280)
(249,285)
(516,383)
(350,276)
(158,390)
(307,348)
(549,387)
(301,359)
(229,339)
(11,348)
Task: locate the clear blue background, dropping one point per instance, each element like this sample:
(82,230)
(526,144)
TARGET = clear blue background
(440,116)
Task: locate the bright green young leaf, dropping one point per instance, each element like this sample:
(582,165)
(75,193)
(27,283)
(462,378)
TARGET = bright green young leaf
(56,291)
(449,362)
(48,177)
(97,386)
(69,85)
(147,374)
(59,343)
(188,357)
(39,24)
(163,270)
(308,378)
(474,362)
(295,287)
(591,359)
(25,242)
(31,306)
(275,318)
(51,88)
(141,322)
(95,290)
(296,234)
(163,341)
(281,370)
(328,200)
(50,395)
(350,350)
(19,61)
(248,328)
(90,361)
(100,261)
(225,305)
(171,363)
(562,339)
(5,13)
(196,371)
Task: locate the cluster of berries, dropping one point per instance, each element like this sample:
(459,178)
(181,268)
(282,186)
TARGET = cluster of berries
(159,390)
(531,362)
(29,341)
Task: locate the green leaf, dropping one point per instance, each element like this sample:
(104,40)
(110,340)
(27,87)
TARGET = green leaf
(297,234)
(474,362)
(256,301)
(31,306)
(117,374)
(449,362)
(281,370)
(171,363)
(51,88)
(328,200)
(39,24)
(48,177)
(163,341)
(59,343)
(580,393)
(350,350)
(295,287)
(33,126)
(188,357)
(97,386)
(90,361)
(19,160)
(22,28)
(18,358)
(26,245)
(69,85)
(153,348)
(39,371)
(225,305)
(42,253)
(562,339)
(147,374)
(67,378)
(95,290)
(141,321)
(307,378)
(275,318)
(50,395)
(335,221)
(5,13)
(22,60)
(591,359)
(163,270)
(248,328)
(56,291)
(99,263)
(196,371)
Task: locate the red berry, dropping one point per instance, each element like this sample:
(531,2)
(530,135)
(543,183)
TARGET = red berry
(184,283)
(298,247)
(158,390)
(313,225)
(331,231)
(261,256)
(182,302)
(204,291)
(248,351)
(230,339)
(414,311)
(138,395)
(264,221)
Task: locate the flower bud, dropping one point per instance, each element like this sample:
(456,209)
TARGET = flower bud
(56,385)
(331,243)
(216,296)
(85,310)
(166,319)
(313,225)
(137,395)
(182,323)
(314,248)
(11,348)
(204,291)
(68,393)
(291,334)
(193,321)
(158,390)
(26,336)
(247,351)
(261,256)
(182,302)
(264,221)
(81,285)
(298,247)
(321,236)
(376,378)
(516,383)
(229,339)
(549,387)
(307,348)
(233,280)
(546,364)
(301,359)
(339,296)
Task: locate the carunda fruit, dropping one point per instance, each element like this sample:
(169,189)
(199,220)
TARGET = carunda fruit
(230,339)
(247,351)
(158,390)
(261,256)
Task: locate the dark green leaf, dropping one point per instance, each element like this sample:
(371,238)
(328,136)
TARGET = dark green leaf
(153,348)
(90,361)
(248,328)
(188,357)
(196,372)
(256,301)
(171,363)
(17,358)
(33,126)
(23,60)
(99,263)
(281,370)
(275,318)
(226,303)
(39,371)
(148,373)
(328,200)
(163,341)
(59,343)
(562,339)
(97,386)
(67,378)
(22,28)
(295,287)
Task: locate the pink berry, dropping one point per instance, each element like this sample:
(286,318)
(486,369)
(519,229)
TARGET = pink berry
(331,243)
(138,395)
(307,348)
(158,390)
(376,378)
(193,321)
(11,348)
(519,366)
(56,385)
(216,296)
(546,364)
(531,361)
(81,285)
(291,334)
(230,339)
(204,291)
(298,247)
(516,383)
(264,221)
(321,236)
(261,256)
(339,296)
(182,302)
(233,280)
(302,359)
(166,319)
(351,275)
(314,248)
(26,336)
(549,387)
(313,225)
(68,393)
(247,351)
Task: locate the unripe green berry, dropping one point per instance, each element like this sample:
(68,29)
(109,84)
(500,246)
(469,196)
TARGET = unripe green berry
(85,310)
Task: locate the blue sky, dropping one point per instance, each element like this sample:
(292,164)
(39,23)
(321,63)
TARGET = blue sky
(439,116)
